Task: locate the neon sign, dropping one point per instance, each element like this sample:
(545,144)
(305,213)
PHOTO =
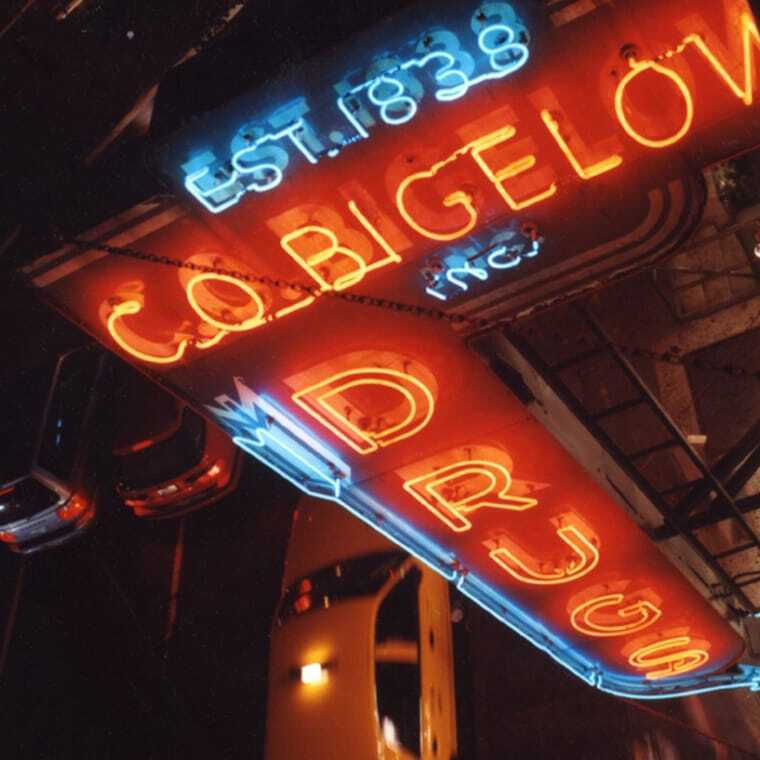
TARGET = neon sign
(395,93)
(668,658)
(457,494)
(614,615)
(454,491)
(465,159)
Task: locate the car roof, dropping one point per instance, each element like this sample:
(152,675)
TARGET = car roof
(144,411)
(323,534)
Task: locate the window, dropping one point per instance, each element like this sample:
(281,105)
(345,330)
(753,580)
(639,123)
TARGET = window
(167,459)
(397,668)
(25,499)
(65,417)
(22,403)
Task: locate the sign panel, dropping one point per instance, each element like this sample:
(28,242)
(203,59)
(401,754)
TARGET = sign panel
(504,152)
(463,147)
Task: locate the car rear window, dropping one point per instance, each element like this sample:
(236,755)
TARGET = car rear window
(167,459)
(22,403)
(398,704)
(144,411)
(62,433)
(360,576)
(397,673)
(25,499)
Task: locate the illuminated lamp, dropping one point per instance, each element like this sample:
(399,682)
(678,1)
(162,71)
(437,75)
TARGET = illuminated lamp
(72,509)
(7,537)
(313,673)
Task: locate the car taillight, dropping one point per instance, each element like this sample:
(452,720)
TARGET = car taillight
(7,537)
(302,604)
(73,508)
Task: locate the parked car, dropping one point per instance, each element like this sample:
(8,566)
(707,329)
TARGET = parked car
(50,465)
(168,460)
(361,659)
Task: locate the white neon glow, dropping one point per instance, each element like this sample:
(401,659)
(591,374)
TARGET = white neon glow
(203,196)
(498,258)
(387,93)
(436,294)
(466,270)
(512,260)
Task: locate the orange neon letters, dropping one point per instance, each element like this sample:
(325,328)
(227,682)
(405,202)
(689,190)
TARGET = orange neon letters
(671,655)
(498,177)
(639,67)
(585,560)
(247,324)
(364,432)
(750,36)
(454,491)
(130,307)
(391,257)
(315,263)
(312,262)
(599,617)
(586,173)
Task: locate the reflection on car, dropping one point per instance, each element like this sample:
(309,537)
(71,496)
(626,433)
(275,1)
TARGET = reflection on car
(361,661)
(48,477)
(168,460)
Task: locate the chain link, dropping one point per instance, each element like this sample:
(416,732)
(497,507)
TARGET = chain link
(478,323)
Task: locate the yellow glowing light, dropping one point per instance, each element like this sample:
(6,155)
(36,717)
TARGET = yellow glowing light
(131,307)
(500,176)
(750,36)
(634,617)
(639,67)
(431,491)
(313,673)
(675,662)
(248,324)
(587,558)
(325,254)
(328,415)
(601,167)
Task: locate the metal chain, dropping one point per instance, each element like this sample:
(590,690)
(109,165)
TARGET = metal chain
(356,298)
(478,323)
